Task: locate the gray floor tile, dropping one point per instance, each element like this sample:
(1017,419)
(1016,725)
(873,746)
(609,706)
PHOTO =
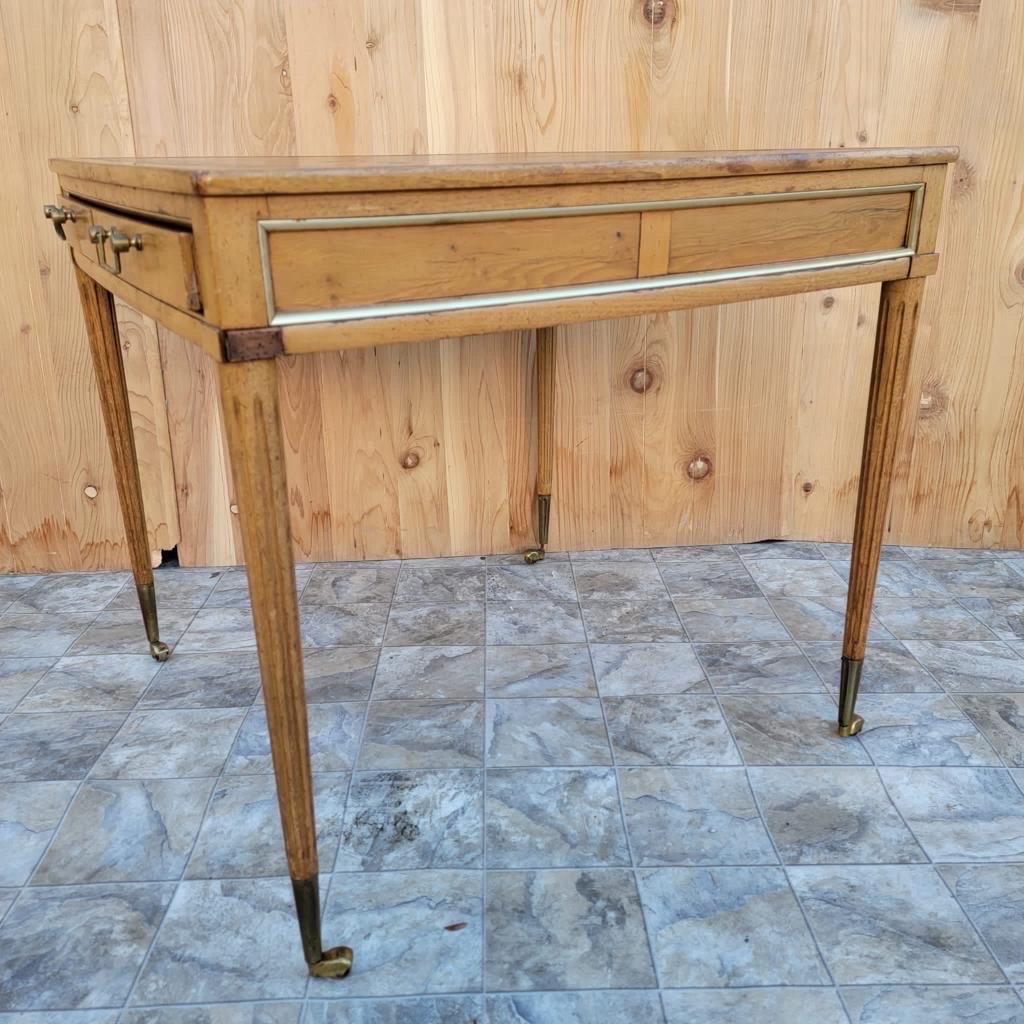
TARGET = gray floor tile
(1000,716)
(909,618)
(611,555)
(779,549)
(57,745)
(175,588)
(18,676)
(727,620)
(413,931)
(545,670)
(546,621)
(334,731)
(992,895)
(367,584)
(339,673)
(223,938)
(423,734)
(754,1006)
(61,1017)
(982,578)
(565,929)
(921,729)
(70,592)
(575,1008)
(7,898)
(217,1013)
(170,744)
(843,552)
(937,1004)
(29,815)
(681,730)
(542,582)
(128,831)
(102,682)
(430,672)
(122,632)
(516,557)
(241,836)
(14,586)
(546,731)
(98,934)
(790,729)
(618,581)
(232,590)
(439,624)
(966,556)
(40,634)
(726,576)
(819,617)
(971,667)
(694,553)
(626,670)
(758,667)
(335,625)
(554,818)
(799,578)
(832,816)
(883,925)
(905,579)
(889,667)
(410,1010)
(647,620)
(440,584)
(413,819)
(693,816)
(217,628)
(1003,616)
(203,681)
(729,926)
(960,814)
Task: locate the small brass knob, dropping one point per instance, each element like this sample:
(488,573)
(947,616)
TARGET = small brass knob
(58,216)
(120,242)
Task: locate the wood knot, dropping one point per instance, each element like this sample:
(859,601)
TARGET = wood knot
(862,136)
(233,509)
(655,11)
(699,467)
(90,492)
(332,102)
(807,487)
(1018,273)
(74,108)
(828,302)
(410,460)
(641,380)
(964,177)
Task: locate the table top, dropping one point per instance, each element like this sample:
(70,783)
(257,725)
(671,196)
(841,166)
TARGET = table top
(294,175)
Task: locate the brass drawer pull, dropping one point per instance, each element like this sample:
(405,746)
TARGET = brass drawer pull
(57,215)
(119,243)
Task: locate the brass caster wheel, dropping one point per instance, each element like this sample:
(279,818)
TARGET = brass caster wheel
(533,557)
(159,650)
(853,728)
(335,963)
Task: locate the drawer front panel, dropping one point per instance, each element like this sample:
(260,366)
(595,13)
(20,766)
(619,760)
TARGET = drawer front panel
(165,265)
(354,266)
(705,238)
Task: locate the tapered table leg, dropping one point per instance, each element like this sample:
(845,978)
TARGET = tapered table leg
(894,340)
(249,399)
(105,345)
(545,437)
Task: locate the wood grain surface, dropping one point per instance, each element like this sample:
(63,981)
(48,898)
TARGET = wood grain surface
(771,395)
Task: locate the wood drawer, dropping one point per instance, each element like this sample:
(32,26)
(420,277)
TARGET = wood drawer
(163,267)
(776,232)
(401,260)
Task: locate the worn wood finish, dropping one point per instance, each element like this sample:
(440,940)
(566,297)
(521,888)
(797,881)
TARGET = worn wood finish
(252,423)
(105,346)
(898,313)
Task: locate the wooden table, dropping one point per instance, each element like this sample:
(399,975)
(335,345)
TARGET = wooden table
(255,259)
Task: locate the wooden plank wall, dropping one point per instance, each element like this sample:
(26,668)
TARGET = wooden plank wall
(422,450)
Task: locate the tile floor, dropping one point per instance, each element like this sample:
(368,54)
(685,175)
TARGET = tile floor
(604,788)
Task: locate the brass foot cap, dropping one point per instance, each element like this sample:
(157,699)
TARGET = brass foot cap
(853,728)
(532,557)
(335,963)
(159,650)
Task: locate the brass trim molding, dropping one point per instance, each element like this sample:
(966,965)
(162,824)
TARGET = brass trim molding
(491,299)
